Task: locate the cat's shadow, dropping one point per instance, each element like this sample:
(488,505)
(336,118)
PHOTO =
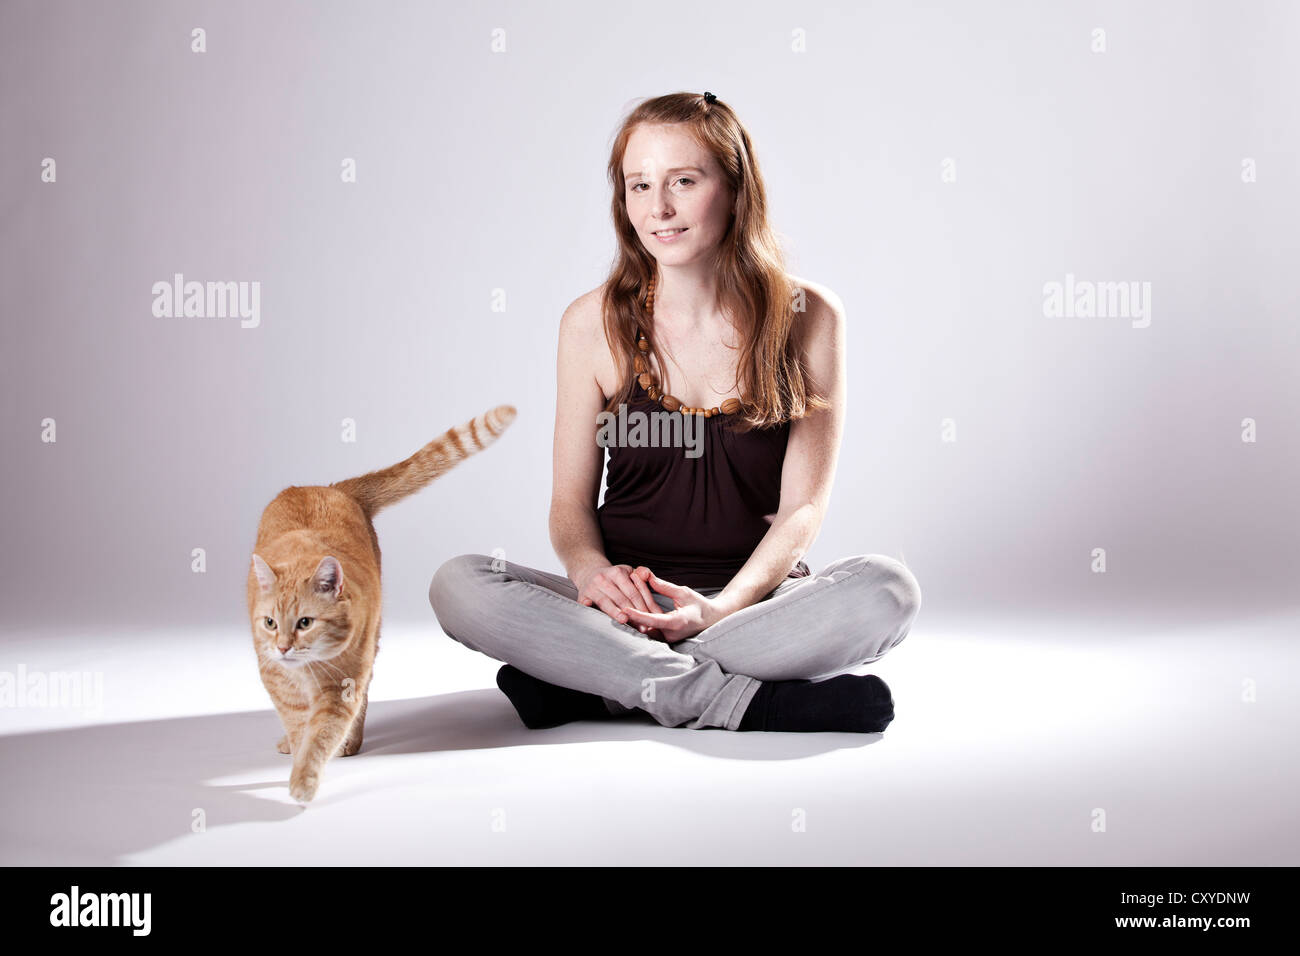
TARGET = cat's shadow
(93,795)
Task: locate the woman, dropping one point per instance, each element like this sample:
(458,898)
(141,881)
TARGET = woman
(686,596)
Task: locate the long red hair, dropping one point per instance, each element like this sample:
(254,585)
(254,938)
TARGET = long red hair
(752,282)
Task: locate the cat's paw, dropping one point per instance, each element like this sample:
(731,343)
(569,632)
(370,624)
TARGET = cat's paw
(303,785)
(283,745)
(349,747)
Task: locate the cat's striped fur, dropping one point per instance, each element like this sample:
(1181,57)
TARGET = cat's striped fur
(316,561)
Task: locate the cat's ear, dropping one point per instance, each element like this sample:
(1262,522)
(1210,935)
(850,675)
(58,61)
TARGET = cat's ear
(328,578)
(265,576)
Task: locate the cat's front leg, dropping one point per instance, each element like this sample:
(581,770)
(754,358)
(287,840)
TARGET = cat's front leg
(356,733)
(293,722)
(290,705)
(303,784)
(326,727)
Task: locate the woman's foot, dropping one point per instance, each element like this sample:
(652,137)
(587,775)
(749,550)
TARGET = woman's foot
(849,703)
(540,704)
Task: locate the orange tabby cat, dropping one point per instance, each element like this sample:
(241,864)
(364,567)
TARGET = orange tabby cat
(314,598)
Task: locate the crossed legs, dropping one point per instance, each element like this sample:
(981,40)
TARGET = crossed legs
(851,612)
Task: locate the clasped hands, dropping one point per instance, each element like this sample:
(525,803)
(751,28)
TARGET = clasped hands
(623,592)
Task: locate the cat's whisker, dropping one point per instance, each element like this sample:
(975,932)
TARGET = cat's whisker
(312,674)
(334,667)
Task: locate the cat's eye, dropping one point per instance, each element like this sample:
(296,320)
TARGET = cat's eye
(304,623)
(269,622)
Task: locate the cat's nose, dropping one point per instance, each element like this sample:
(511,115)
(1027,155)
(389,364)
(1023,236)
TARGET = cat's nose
(283,650)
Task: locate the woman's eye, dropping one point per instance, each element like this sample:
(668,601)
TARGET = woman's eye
(304,623)
(269,622)
(682,179)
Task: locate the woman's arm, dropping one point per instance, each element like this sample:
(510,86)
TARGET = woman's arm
(577,459)
(810,459)
(577,464)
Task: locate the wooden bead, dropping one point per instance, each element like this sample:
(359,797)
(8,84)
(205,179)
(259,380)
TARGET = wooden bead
(642,368)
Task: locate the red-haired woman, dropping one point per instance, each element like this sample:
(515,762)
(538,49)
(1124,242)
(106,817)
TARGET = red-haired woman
(686,596)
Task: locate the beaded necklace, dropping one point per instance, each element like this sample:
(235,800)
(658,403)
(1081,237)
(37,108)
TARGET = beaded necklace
(647,380)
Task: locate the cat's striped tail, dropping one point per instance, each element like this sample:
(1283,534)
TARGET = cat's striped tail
(379,489)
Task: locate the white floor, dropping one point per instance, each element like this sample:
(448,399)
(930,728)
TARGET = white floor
(1008,744)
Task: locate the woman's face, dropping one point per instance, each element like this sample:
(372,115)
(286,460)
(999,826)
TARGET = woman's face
(670,182)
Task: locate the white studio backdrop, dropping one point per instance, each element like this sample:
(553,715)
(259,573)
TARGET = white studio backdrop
(968,177)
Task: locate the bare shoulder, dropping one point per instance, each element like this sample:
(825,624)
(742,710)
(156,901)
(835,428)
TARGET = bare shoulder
(582,337)
(822,319)
(582,316)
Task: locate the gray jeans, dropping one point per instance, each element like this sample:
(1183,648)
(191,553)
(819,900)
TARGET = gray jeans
(854,611)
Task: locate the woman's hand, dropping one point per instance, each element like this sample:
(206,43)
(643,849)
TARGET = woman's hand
(613,587)
(692,612)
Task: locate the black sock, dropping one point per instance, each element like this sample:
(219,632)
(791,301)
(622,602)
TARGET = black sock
(849,702)
(540,704)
